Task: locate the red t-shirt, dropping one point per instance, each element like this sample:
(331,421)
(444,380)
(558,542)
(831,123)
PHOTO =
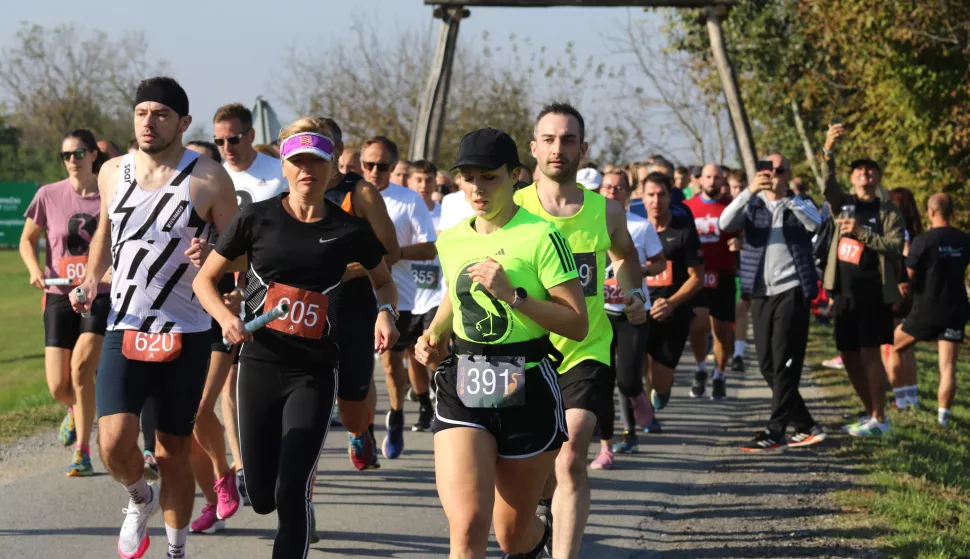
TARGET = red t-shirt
(707,213)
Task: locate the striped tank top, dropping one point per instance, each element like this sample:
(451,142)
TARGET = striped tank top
(151,285)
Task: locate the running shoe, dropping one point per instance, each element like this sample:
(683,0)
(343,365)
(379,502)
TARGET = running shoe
(659,400)
(655,427)
(133,541)
(764,441)
(151,467)
(393,444)
(68,434)
(861,418)
(228,494)
(737,364)
(642,411)
(241,487)
(698,387)
(314,537)
(603,460)
(208,522)
(544,512)
(872,429)
(628,444)
(81,465)
(834,363)
(719,389)
(811,437)
(425,415)
(361,450)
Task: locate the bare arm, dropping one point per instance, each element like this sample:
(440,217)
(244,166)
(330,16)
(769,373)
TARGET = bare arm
(28,252)
(419,251)
(626,261)
(222,209)
(564,313)
(833,190)
(385,331)
(691,287)
(206,287)
(99,252)
(370,206)
(655,265)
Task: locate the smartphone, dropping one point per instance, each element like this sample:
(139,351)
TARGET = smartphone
(836,121)
(764,165)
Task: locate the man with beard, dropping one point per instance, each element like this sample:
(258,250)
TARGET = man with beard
(714,307)
(594,227)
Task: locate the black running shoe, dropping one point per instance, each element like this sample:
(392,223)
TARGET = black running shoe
(737,364)
(544,512)
(425,415)
(698,388)
(764,441)
(719,389)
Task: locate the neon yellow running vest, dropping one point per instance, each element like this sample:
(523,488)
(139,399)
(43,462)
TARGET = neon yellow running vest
(589,237)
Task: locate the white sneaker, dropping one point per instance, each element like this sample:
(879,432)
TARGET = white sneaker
(134,540)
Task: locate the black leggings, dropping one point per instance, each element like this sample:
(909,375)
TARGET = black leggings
(149,422)
(628,352)
(284,415)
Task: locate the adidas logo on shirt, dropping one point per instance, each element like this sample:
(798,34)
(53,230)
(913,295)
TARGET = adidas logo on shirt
(501,252)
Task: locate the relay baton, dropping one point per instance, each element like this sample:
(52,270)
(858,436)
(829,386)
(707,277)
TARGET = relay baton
(81,299)
(58,281)
(263,319)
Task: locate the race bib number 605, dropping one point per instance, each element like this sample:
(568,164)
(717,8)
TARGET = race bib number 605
(307,317)
(491,382)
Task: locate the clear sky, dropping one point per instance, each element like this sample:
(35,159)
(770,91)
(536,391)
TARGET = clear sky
(225,51)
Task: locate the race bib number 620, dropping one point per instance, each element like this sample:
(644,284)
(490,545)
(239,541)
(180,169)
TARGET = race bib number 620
(307,317)
(153,348)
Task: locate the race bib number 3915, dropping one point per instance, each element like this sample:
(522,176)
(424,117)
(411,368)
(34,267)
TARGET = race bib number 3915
(491,382)
(307,317)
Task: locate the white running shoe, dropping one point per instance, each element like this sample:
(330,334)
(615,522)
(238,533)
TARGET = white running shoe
(134,540)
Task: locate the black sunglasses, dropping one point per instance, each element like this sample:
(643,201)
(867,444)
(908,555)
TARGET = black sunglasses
(780,170)
(78,154)
(233,140)
(381,167)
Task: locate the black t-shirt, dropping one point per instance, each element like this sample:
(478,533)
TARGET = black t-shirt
(307,256)
(862,282)
(940,257)
(682,249)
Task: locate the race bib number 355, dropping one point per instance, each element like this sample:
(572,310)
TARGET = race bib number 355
(426,276)
(586,266)
(72,268)
(154,348)
(491,382)
(307,317)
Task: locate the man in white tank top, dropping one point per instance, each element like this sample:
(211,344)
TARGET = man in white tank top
(256,177)
(158,203)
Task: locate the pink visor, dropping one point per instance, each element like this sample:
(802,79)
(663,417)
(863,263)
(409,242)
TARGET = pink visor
(307,142)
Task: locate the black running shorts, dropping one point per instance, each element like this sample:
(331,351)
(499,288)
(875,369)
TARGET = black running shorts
(926,331)
(63,326)
(667,339)
(520,432)
(720,300)
(862,326)
(124,384)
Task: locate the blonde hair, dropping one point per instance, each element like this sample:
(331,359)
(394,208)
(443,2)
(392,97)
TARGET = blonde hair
(267,149)
(306,124)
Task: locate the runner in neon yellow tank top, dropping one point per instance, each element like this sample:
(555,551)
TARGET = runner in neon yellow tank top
(593,226)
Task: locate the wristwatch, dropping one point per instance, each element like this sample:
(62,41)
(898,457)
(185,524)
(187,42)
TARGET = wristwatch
(390,309)
(639,293)
(520,296)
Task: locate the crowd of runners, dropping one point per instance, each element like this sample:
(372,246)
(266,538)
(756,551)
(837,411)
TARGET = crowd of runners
(509,303)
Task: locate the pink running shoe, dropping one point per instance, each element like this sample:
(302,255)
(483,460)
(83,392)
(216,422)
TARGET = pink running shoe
(642,410)
(228,495)
(208,522)
(603,461)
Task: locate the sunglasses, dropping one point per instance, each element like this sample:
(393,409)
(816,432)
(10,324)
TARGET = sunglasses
(780,170)
(233,140)
(381,167)
(78,154)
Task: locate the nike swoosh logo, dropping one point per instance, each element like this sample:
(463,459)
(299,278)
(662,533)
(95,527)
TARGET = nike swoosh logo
(325,240)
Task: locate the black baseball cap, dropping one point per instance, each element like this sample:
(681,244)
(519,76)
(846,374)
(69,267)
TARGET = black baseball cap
(866,162)
(487,148)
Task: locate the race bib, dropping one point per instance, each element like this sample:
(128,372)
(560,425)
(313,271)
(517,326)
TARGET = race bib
(612,292)
(850,250)
(426,276)
(586,266)
(664,279)
(711,280)
(154,348)
(307,317)
(72,268)
(491,382)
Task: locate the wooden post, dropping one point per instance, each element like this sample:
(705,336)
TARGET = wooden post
(807,145)
(429,122)
(729,81)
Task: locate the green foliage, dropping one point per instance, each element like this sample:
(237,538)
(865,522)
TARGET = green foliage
(897,73)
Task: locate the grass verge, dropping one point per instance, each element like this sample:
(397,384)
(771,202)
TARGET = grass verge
(916,486)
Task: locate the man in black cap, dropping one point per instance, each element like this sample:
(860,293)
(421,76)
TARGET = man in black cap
(862,275)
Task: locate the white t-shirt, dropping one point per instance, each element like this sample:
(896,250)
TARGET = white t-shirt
(413,225)
(427,276)
(261,181)
(648,245)
(454,210)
